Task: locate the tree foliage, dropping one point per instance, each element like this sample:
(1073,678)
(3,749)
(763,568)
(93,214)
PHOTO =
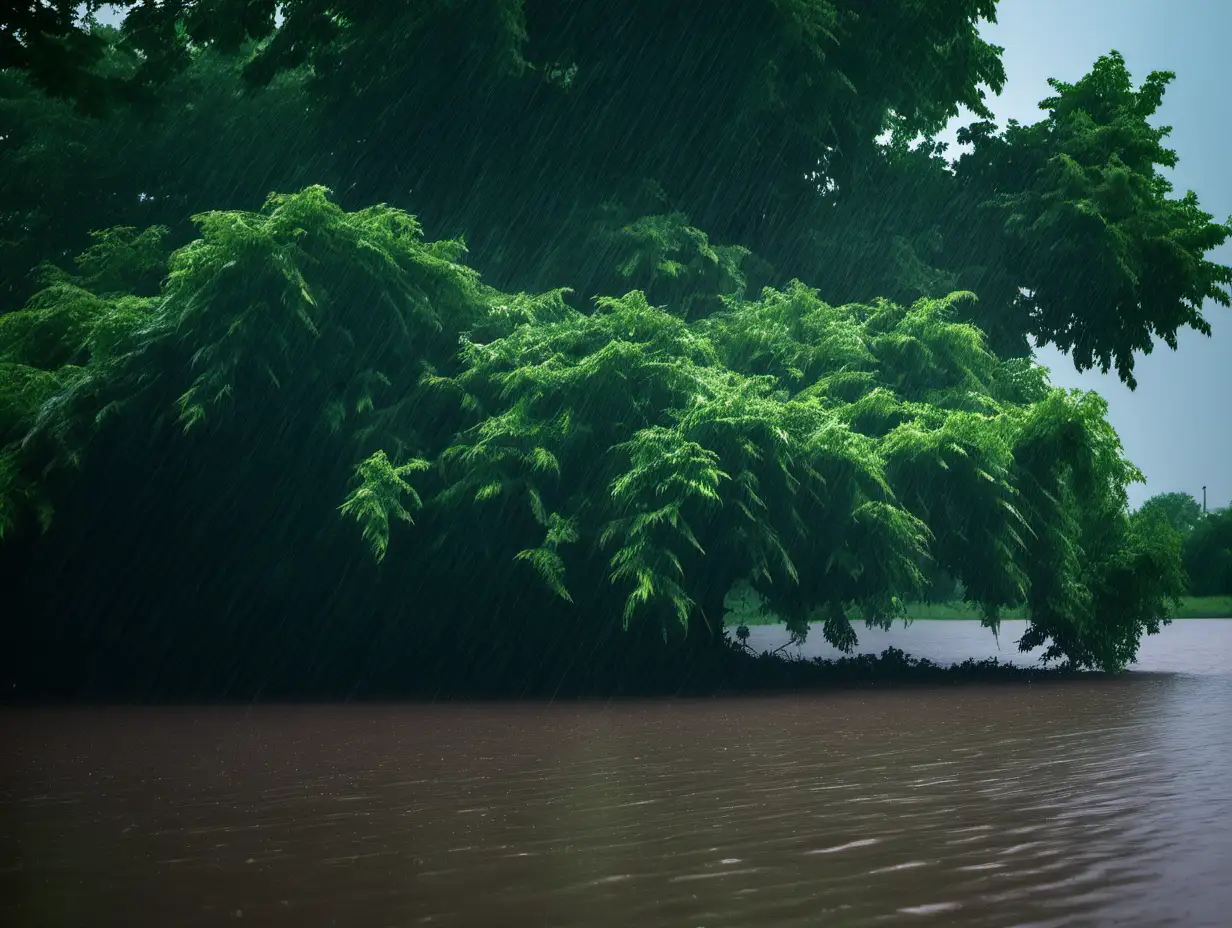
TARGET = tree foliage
(637,460)
(714,312)
(1179,510)
(1208,555)
(535,129)
(1108,260)
(1206,540)
(1066,227)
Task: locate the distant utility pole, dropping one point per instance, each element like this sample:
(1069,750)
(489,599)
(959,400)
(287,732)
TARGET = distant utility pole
(1204,500)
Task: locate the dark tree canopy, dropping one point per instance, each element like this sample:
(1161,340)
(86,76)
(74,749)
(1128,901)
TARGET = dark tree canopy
(537,128)
(1208,555)
(713,311)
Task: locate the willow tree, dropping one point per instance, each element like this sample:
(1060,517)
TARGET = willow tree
(310,382)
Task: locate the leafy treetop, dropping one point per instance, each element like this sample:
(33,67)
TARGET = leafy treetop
(640,459)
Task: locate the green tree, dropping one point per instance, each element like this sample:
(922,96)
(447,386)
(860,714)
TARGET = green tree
(637,462)
(726,336)
(756,125)
(1208,555)
(1179,510)
(201,143)
(1065,228)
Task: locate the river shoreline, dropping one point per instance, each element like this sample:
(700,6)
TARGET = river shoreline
(734,671)
(1091,802)
(1192,607)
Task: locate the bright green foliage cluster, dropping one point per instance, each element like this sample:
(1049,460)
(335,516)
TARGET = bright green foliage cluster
(1180,511)
(639,460)
(1087,177)
(61,353)
(1066,228)
(258,294)
(236,309)
(378,497)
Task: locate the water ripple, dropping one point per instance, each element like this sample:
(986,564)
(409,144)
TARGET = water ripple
(1091,803)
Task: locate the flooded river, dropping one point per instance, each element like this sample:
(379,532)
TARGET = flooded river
(1076,803)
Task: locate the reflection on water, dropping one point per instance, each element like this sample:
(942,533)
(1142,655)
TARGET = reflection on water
(1077,803)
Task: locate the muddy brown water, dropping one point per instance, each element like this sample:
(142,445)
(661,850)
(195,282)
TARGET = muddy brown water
(1076,803)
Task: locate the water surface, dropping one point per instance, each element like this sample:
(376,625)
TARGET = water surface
(1078,803)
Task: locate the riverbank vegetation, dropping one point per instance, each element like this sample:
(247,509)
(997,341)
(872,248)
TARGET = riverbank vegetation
(1206,541)
(1188,607)
(572,352)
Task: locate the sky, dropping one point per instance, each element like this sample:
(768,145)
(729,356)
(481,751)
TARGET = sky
(1176,426)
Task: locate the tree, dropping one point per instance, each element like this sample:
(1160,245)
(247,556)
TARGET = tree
(1206,540)
(637,462)
(1179,510)
(695,324)
(757,125)
(1104,260)
(1208,555)
(1065,228)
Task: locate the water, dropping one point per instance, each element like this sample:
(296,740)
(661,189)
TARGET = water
(1188,646)
(1075,803)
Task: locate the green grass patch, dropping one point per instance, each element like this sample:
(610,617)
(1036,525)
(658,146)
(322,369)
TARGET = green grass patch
(955,611)
(1205,607)
(1192,607)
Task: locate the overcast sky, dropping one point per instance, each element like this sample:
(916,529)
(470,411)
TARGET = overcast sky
(1176,426)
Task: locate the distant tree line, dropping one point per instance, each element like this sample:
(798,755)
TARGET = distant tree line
(1206,540)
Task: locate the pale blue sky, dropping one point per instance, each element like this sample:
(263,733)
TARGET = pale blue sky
(1175,426)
